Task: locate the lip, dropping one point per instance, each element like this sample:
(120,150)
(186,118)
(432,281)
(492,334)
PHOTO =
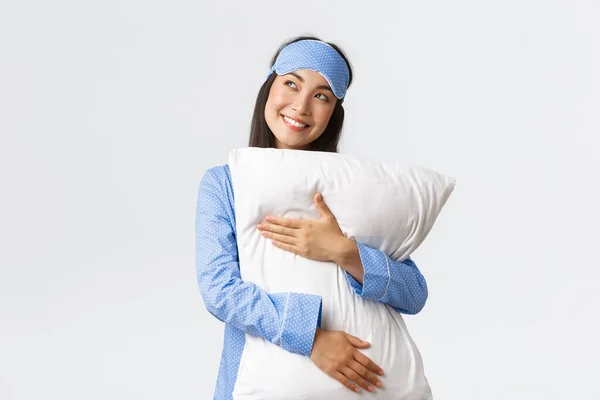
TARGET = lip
(292,126)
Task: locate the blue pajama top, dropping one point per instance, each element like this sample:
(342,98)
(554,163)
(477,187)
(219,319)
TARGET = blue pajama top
(246,308)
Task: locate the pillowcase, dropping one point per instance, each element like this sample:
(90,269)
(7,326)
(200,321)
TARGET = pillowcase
(385,206)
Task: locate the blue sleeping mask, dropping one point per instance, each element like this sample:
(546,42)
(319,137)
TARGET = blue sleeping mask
(316,56)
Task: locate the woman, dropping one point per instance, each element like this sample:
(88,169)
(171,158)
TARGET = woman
(299,107)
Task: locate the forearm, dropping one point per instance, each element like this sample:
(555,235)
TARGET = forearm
(396,283)
(273,316)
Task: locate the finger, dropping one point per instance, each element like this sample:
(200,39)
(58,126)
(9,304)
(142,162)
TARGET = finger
(367,362)
(352,374)
(277,229)
(365,373)
(288,222)
(286,247)
(280,238)
(356,342)
(345,381)
(321,206)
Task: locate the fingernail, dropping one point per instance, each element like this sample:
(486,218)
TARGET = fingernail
(371,388)
(380,372)
(379,384)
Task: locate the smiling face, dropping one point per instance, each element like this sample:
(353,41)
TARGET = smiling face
(298,108)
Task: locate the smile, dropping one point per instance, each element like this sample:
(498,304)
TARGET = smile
(293,123)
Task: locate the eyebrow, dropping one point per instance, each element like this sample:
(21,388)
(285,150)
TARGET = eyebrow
(326,87)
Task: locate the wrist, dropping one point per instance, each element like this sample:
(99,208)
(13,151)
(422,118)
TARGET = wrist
(343,250)
(350,261)
(317,332)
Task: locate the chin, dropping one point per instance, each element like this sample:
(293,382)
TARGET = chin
(295,146)
(289,141)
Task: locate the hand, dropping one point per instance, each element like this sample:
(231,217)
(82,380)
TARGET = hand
(320,240)
(335,353)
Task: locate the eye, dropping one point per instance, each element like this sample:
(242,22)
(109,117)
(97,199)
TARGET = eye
(290,82)
(324,97)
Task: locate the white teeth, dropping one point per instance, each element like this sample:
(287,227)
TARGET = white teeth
(292,122)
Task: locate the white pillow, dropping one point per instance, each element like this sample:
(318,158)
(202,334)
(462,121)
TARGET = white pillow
(385,206)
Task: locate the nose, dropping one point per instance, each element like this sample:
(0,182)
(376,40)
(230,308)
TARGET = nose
(302,104)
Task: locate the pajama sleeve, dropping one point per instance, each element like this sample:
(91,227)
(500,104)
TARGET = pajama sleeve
(397,283)
(286,319)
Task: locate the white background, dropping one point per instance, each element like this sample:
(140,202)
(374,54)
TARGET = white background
(110,112)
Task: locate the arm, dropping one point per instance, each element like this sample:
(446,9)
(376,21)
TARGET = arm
(375,276)
(286,319)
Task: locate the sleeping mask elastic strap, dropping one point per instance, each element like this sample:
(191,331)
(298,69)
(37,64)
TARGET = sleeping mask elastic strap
(316,56)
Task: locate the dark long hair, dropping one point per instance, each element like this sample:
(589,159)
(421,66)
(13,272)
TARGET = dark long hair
(262,136)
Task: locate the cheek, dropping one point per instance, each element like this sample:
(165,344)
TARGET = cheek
(278,99)
(322,116)
(272,107)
